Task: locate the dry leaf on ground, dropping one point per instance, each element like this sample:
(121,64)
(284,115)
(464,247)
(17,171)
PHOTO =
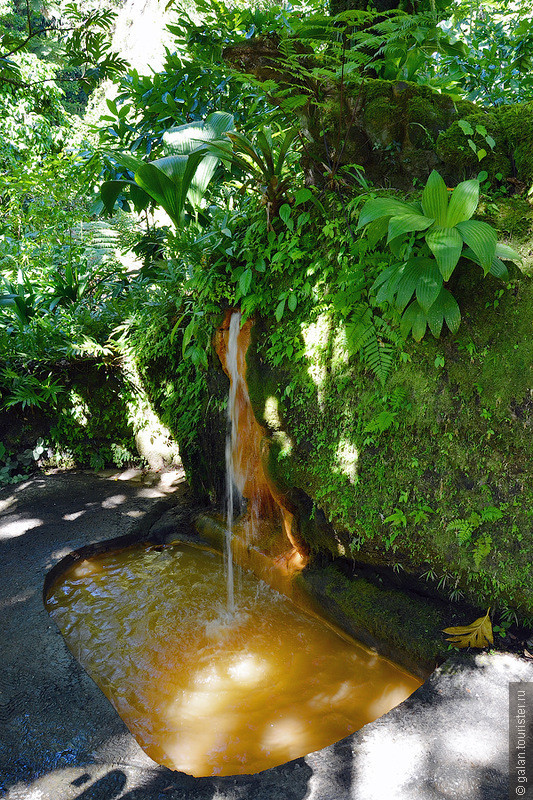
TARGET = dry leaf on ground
(477,634)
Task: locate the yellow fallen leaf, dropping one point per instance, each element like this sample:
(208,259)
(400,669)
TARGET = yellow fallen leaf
(477,634)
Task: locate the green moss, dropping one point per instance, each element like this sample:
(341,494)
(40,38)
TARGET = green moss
(517,123)
(454,150)
(401,625)
(412,476)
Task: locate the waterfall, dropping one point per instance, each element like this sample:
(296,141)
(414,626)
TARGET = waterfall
(231,444)
(247,483)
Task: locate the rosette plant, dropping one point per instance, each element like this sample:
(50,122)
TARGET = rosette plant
(429,238)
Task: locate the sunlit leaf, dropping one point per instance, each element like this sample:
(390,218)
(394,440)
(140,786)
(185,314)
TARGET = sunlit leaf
(435,198)
(162,188)
(244,281)
(481,238)
(383,207)
(405,223)
(477,634)
(446,245)
(507,253)
(463,203)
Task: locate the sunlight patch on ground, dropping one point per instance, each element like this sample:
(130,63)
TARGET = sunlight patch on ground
(18,528)
(386,763)
(7,503)
(74,516)
(114,501)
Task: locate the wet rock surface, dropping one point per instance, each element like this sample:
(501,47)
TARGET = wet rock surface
(60,739)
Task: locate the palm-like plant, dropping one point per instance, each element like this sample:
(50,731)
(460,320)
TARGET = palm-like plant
(179,179)
(264,164)
(443,232)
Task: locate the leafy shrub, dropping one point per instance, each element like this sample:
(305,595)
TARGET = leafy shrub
(429,238)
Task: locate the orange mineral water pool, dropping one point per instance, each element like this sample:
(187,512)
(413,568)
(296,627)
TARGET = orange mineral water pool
(206,692)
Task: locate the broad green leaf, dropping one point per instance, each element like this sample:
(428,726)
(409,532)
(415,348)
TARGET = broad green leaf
(405,223)
(187,335)
(285,212)
(388,282)
(244,281)
(499,270)
(162,188)
(126,160)
(109,192)
(477,634)
(428,286)
(280,308)
(266,150)
(435,317)
(463,203)
(435,198)
(376,231)
(245,146)
(183,139)
(481,154)
(172,166)
(287,141)
(446,245)
(302,196)
(450,309)
(413,320)
(412,273)
(507,253)
(465,127)
(292,301)
(386,275)
(383,207)
(482,239)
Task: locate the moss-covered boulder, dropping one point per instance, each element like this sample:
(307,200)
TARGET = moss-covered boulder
(398,131)
(433,475)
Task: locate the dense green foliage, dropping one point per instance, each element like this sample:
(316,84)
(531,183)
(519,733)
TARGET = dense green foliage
(242,176)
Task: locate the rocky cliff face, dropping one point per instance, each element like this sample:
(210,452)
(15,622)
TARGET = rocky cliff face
(432,477)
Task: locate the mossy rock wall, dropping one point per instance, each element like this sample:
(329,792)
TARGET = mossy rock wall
(398,131)
(189,402)
(88,426)
(431,476)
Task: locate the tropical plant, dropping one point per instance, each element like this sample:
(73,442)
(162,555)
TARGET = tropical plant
(429,238)
(22,299)
(260,160)
(496,63)
(179,180)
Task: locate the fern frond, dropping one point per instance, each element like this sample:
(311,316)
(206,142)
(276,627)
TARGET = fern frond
(378,355)
(373,338)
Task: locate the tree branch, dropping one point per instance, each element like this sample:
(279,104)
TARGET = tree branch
(31,35)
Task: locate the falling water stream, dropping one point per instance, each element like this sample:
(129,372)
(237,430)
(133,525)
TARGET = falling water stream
(231,446)
(210,681)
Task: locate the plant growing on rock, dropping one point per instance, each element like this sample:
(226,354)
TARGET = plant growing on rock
(429,238)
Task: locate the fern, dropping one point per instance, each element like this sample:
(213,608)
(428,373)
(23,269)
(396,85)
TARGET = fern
(371,337)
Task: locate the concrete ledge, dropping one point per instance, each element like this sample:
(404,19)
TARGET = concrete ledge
(60,739)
